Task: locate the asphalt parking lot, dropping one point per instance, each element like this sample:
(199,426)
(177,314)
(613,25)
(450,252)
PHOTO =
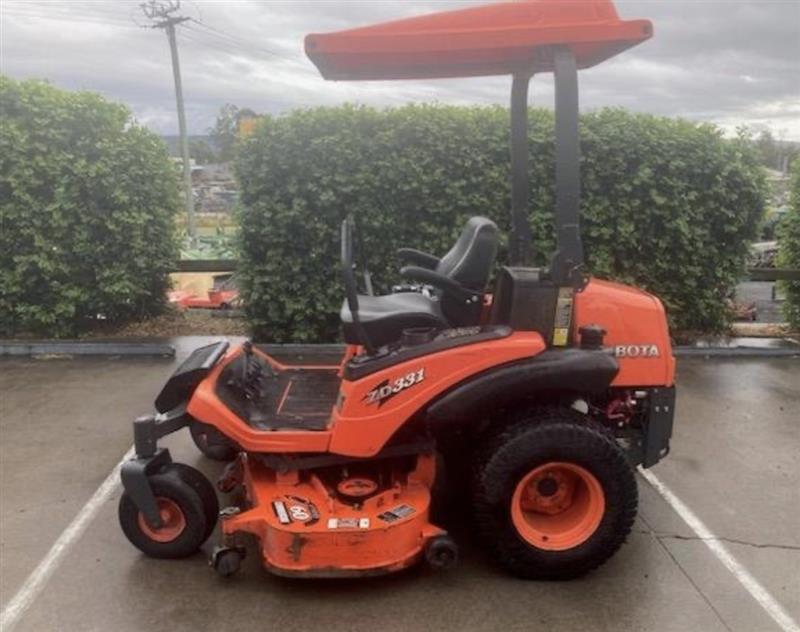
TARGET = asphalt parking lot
(735,463)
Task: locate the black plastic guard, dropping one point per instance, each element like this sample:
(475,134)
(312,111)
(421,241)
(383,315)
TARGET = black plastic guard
(150,459)
(134,475)
(188,375)
(658,427)
(578,371)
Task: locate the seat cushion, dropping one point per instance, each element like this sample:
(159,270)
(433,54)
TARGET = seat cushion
(385,317)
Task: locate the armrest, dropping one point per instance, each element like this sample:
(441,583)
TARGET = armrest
(438,280)
(419,258)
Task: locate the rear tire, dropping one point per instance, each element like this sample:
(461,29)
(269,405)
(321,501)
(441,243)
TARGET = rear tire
(212,443)
(554,496)
(184,528)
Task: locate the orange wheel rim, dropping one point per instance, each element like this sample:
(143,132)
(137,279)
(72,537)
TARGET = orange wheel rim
(557,506)
(174,522)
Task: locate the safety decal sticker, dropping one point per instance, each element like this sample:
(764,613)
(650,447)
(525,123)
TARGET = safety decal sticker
(348,523)
(280,511)
(299,513)
(384,391)
(399,512)
(295,509)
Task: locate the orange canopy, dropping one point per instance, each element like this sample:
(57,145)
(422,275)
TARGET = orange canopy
(495,39)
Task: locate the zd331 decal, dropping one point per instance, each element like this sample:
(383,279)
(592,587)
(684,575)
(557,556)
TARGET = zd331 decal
(389,388)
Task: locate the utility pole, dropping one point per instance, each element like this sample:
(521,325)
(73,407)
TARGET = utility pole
(162,14)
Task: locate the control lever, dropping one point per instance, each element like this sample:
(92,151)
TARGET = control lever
(247,348)
(248,381)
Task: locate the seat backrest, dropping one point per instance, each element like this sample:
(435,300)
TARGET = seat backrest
(470,261)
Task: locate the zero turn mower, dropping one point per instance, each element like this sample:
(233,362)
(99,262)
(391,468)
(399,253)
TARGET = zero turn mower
(560,383)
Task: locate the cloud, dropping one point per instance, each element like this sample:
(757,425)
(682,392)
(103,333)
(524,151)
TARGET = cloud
(724,61)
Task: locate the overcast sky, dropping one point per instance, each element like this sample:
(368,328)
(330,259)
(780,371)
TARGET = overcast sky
(730,62)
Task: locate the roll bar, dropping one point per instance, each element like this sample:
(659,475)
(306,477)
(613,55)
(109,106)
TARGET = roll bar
(566,265)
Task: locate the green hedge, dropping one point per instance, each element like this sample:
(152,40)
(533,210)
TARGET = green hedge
(668,205)
(789,243)
(87,204)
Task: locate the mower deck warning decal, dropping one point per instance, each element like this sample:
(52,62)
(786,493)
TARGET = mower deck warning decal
(399,512)
(384,391)
(290,509)
(280,511)
(348,523)
(299,513)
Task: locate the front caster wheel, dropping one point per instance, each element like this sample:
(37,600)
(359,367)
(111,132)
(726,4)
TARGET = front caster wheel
(227,561)
(554,495)
(212,443)
(441,552)
(184,524)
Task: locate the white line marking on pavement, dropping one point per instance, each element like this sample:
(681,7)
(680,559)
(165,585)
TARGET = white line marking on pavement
(750,583)
(37,580)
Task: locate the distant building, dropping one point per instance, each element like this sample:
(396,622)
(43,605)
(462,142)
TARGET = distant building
(214,188)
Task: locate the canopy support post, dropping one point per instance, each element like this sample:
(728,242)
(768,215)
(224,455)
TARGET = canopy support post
(566,267)
(520,246)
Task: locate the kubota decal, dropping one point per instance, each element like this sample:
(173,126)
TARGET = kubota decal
(384,391)
(636,351)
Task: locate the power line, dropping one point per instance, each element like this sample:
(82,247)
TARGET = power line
(236,41)
(52,9)
(28,13)
(232,47)
(191,36)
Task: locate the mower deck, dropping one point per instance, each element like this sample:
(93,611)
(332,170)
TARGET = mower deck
(310,525)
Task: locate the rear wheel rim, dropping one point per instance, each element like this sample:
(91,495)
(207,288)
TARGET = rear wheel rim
(557,506)
(172,517)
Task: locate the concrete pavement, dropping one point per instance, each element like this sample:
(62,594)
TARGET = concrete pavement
(65,423)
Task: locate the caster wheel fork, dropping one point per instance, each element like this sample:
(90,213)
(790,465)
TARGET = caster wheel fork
(227,560)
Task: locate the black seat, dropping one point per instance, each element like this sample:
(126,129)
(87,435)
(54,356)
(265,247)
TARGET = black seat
(385,317)
(459,279)
(469,264)
(470,260)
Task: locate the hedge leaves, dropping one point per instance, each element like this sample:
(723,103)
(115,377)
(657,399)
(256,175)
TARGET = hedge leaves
(87,204)
(668,205)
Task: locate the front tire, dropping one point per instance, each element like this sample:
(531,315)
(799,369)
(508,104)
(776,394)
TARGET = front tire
(554,496)
(184,520)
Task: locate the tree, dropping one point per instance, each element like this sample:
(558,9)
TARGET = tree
(202,152)
(789,248)
(224,131)
(768,149)
(775,153)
